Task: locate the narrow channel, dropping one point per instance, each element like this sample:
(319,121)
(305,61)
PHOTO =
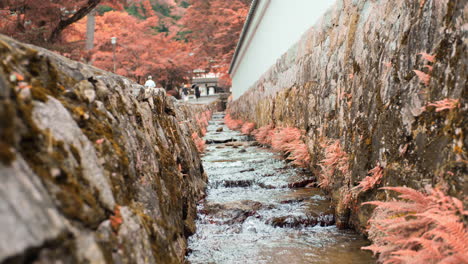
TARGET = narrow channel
(254,211)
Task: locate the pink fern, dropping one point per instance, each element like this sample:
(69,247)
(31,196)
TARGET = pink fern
(247,128)
(335,160)
(233,124)
(419,228)
(446,104)
(429,67)
(203,131)
(283,137)
(199,142)
(264,134)
(428,57)
(423,77)
(369,182)
(299,154)
(208,114)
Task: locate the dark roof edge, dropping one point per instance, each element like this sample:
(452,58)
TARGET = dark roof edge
(245,29)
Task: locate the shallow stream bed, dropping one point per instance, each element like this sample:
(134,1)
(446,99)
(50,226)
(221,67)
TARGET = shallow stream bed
(258,210)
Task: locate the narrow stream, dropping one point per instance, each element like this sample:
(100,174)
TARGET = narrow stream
(250,215)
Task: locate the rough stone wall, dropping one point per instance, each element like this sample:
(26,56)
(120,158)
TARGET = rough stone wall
(91,173)
(351,78)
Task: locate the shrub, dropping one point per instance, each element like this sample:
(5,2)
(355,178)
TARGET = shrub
(248,128)
(300,154)
(335,159)
(233,124)
(283,137)
(264,134)
(420,227)
(199,142)
(446,104)
(369,182)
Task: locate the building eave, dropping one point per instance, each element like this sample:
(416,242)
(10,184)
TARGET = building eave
(245,29)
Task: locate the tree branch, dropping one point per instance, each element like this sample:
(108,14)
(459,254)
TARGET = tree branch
(54,36)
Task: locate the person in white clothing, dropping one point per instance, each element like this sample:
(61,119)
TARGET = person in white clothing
(150,83)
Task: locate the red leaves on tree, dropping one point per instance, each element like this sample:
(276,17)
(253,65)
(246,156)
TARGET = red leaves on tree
(159,44)
(42,21)
(215,26)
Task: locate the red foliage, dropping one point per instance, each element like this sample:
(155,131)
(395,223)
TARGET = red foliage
(428,57)
(283,137)
(299,154)
(369,182)
(215,26)
(199,142)
(423,77)
(335,159)
(140,51)
(421,227)
(42,21)
(248,128)
(233,124)
(208,114)
(446,104)
(157,43)
(116,219)
(264,134)
(202,121)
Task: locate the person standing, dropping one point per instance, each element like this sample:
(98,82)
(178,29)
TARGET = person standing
(185,92)
(150,83)
(197,92)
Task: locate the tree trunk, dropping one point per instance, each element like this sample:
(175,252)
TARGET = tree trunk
(88,7)
(90,25)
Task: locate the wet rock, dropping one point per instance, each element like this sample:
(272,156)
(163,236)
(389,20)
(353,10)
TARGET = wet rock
(304,183)
(237,183)
(231,213)
(233,144)
(219,129)
(219,141)
(266,186)
(247,170)
(242,151)
(290,201)
(301,221)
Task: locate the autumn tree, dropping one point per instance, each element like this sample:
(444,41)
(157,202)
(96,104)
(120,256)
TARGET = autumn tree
(140,49)
(165,38)
(43,21)
(214,27)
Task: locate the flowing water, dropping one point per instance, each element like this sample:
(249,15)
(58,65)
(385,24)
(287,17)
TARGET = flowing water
(256,212)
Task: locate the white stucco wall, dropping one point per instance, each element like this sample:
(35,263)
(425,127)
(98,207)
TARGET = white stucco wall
(282,25)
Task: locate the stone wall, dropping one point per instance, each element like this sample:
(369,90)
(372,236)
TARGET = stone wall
(351,77)
(90,171)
